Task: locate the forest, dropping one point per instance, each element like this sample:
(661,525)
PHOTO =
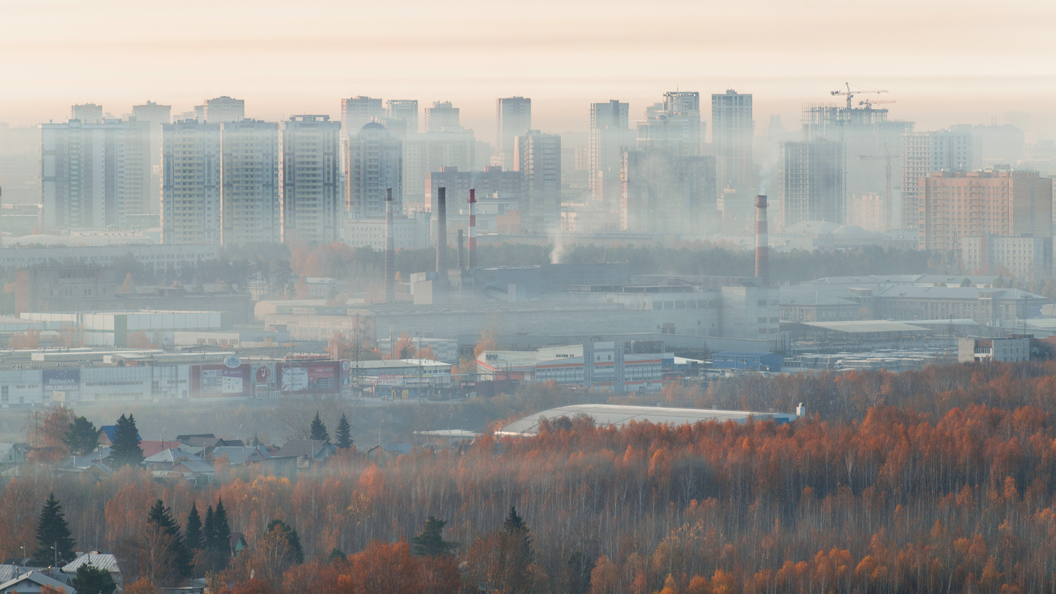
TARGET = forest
(942,479)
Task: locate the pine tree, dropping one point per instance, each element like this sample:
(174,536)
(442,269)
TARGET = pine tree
(54,542)
(344,433)
(318,430)
(221,534)
(431,540)
(82,438)
(125,450)
(93,580)
(193,536)
(161,517)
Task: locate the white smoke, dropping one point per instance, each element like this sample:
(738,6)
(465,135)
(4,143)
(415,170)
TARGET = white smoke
(557,254)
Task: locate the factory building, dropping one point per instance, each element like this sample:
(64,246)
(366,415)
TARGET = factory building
(601,365)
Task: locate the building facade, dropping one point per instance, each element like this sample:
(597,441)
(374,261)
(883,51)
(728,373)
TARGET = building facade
(223,110)
(925,152)
(665,193)
(191,183)
(357,112)
(374,165)
(93,175)
(610,136)
(310,179)
(442,116)
(953,205)
(513,118)
(538,158)
(732,134)
(813,182)
(251,209)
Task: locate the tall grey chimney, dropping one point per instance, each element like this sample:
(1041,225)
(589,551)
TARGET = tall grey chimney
(441,238)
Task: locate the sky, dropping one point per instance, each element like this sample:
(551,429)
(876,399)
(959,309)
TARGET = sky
(943,62)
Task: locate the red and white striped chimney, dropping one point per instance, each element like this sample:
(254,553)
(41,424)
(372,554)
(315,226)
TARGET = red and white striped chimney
(762,242)
(390,251)
(472,229)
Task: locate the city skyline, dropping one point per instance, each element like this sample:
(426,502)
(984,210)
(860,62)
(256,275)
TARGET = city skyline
(973,68)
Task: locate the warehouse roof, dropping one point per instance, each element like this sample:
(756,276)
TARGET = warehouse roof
(865,326)
(605,415)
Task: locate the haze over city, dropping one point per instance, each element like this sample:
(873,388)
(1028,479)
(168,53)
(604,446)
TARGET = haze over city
(578,297)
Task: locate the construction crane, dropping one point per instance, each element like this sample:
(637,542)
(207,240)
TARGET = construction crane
(869,103)
(850,94)
(888,157)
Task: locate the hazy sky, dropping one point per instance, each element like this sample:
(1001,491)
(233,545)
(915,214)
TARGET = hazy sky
(943,61)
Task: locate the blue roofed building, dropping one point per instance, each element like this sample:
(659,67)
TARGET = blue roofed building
(747,361)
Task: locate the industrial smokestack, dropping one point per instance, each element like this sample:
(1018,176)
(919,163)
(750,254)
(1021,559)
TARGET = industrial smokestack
(762,242)
(441,236)
(472,229)
(461,252)
(390,251)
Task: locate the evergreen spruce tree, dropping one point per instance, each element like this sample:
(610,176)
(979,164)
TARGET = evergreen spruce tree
(221,534)
(293,541)
(93,580)
(431,540)
(209,529)
(54,542)
(125,450)
(82,438)
(516,552)
(161,517)
(193,536)
(344,433)
(318,430)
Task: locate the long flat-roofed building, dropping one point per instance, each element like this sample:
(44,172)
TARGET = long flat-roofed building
(606,415)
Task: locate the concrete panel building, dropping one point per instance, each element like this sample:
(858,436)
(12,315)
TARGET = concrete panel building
(925,152)
(732,134)
(222,110)
(251,207)
(538,158)
(513,118)
(374,165)
(610,135)
(958,204)
(191,183)
(312,194)
(813,182)
(664,193)
(359,111)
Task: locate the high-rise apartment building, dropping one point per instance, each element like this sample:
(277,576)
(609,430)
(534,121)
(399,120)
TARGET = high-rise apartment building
(155,116)
(538,158)
(87,113)
(191,183)
(872,146)
(224,109)
(374,164)
(813,182)
(673,125)
(251,207)
(401,117)
(955,205)
(359,111)
(432,151)
(513,118)
(732,133)
(93,175)
(442,116)
(310,178)
(668,194)
(925,152)
(609,136)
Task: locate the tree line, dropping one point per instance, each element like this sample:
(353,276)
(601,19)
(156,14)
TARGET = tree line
(937,480)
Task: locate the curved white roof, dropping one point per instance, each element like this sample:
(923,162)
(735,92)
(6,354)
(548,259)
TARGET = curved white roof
(618,416)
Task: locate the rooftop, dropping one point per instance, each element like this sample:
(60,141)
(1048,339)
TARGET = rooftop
(605,415)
